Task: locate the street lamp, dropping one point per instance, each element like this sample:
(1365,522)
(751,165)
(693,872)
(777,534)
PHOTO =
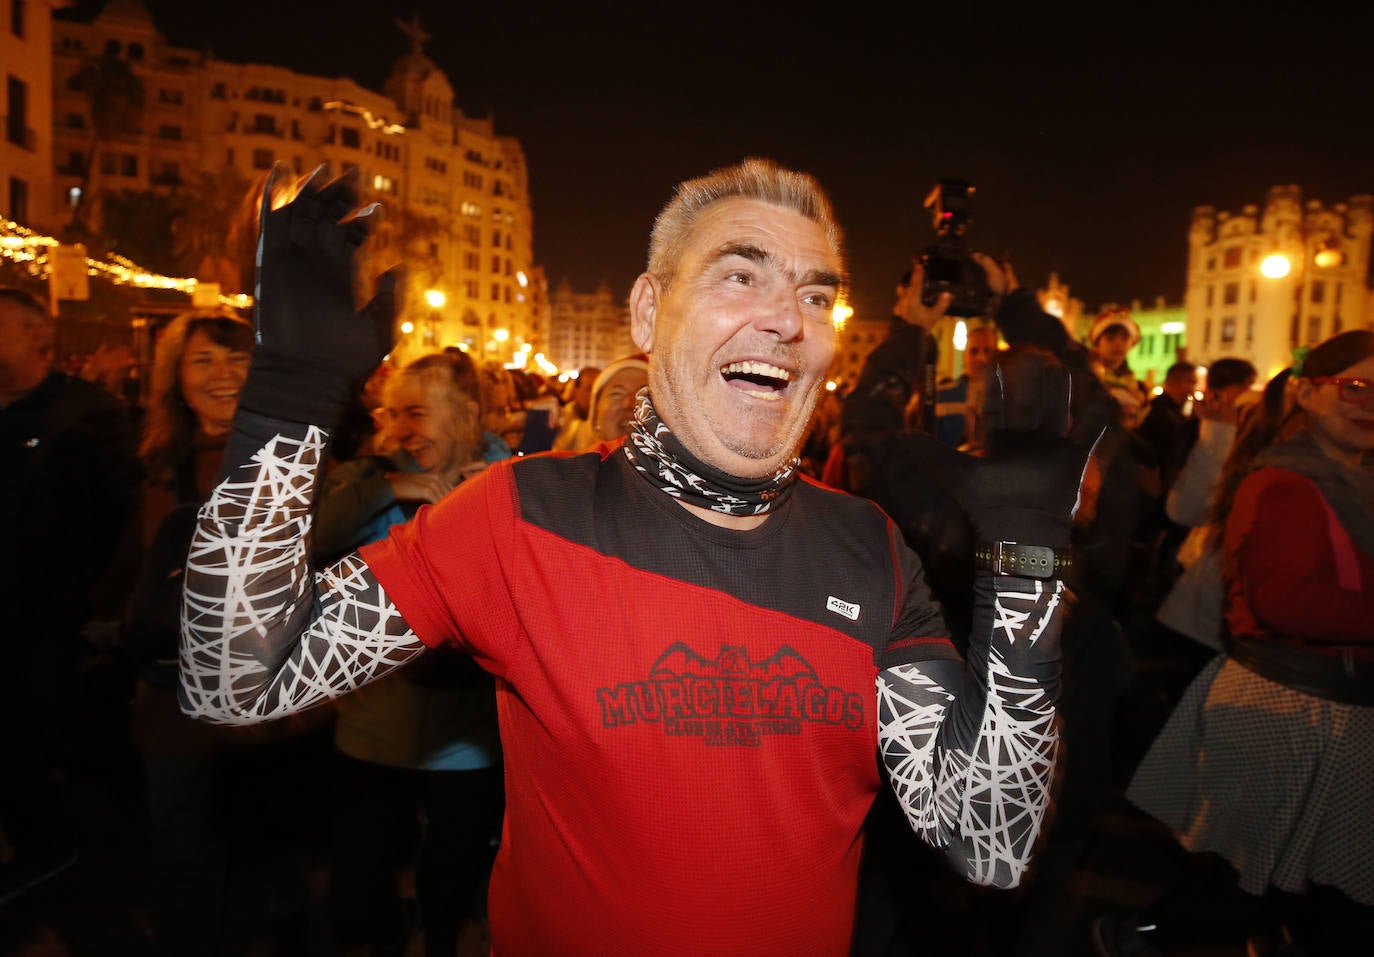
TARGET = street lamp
(1311,301)
(1276,266)
(436,300)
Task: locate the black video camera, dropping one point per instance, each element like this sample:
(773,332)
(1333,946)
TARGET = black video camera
(947,264)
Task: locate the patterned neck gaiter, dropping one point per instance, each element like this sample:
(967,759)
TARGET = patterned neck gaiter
(658,455)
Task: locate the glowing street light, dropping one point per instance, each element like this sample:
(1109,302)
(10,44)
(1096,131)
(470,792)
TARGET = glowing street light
(1276,266)
(435,298)
(841,313)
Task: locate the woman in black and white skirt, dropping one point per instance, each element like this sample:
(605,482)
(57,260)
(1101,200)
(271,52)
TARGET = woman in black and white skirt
(1268,760)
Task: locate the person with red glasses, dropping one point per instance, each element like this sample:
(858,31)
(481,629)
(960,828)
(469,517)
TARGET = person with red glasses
(1267,762)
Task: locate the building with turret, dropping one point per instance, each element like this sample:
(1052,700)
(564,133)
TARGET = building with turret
(455,189)
(1262,283)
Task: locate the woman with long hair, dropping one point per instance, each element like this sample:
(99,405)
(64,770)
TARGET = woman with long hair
(194,772)
(1267,762)
(199,366)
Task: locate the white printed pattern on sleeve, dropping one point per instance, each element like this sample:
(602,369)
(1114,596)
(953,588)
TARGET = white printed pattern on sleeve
(990,799)
(262,635)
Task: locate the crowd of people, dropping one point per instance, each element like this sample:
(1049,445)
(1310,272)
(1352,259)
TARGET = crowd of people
(338,621)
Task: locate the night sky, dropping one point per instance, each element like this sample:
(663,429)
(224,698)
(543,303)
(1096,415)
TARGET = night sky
(1090,138)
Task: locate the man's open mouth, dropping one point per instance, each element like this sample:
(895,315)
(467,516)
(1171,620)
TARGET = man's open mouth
(760,379)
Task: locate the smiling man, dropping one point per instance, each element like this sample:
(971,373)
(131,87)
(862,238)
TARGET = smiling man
(698,651)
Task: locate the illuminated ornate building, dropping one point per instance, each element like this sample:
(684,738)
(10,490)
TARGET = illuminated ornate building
(1261,284)
(588,329)
(26,156)
(455,190)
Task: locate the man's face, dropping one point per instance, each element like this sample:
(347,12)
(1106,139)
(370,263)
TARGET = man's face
(25,351)
(741,340)
(981,347)
(1180,386)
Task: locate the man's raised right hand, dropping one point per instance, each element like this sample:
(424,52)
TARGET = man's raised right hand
(314,348)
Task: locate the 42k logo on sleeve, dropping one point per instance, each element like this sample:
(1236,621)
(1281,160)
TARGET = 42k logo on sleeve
(730,700)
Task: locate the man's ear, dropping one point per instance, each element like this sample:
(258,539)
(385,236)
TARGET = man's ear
(645,298)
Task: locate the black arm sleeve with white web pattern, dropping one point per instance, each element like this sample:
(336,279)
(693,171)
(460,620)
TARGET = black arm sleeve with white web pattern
(970,750)
(262,633)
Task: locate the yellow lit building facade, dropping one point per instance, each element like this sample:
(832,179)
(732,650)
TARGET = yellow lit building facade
(1262,283)
(588,329)
(456,192)
(26,157)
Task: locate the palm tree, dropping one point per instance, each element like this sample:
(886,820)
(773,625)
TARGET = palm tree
(116,97)
(213,229)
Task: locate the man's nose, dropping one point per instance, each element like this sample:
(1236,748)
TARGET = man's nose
(783,316)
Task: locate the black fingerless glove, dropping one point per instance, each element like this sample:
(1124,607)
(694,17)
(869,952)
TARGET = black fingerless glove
(314,348)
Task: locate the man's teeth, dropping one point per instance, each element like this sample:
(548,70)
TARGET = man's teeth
(757,368)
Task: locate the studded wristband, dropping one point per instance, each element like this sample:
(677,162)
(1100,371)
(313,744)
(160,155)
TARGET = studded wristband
(1023,561)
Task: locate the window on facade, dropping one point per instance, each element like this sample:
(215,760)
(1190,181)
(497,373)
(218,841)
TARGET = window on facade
(128,164)
(1231,257)
(1252,290)
(1211,290)
(76,121)
(495,291)
(136,53)
(17,119)
(295,129)
(19,200)
(1293,327)
(1230,294)
(1211,263)
(112,48)
(1314,328)
(262,159)
(1207,332)
(348,136)
(17,16)
(169,132)
(1340,288)
(1336,324)
(496,264)
(496,238)
(1249,330)
(1319,290)
(168,175)
(218,92)
(264,123)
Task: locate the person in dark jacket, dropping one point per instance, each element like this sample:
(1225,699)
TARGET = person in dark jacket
(68,486)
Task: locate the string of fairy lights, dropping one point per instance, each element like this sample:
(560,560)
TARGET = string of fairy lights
(33,251)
